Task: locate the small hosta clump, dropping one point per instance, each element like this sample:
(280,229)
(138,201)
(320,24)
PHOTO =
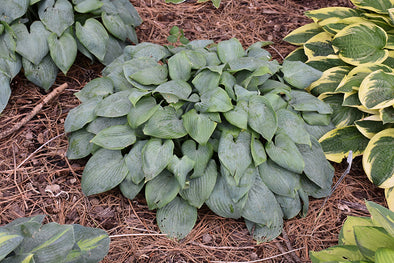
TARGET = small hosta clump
(204,123)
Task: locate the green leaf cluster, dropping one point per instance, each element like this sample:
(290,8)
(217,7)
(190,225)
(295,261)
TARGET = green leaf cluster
(204,123)
(216,3)
(355,49)
(43,36)
(363,239)
(27,240)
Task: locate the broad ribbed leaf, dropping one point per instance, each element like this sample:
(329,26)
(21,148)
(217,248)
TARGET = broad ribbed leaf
(31,46)
(142,111)
(384,255)
(381,216)
(79,144)
(239,189)
(200,188)
(8,43)
(230,50)
(238,116)
(290,206)
(10,67)
(180,167)
(149,50)
(200,154)
(292,125)
(8,242)
(328,12)
(319,46)
(24,226)
(377,90)
(303,101)
(13,9)
(127,12)
(165,124)
(101,123)
(63,50)
(133,162)
(115,137)
(161,190)
(155,157)
(87,6)
(115,105)
(43,75)
(337,254)
(378,6)
(378,159)
(117,27)
(23,258)
(257,150)
(329,81)
(361,43)
(179,66)
(346,235)
(113,50)
(100,87)
(370,238)
(104,171)
(285,153)
(206,80)
(56,16)
(262,117)
(177,218)
(387,115)
(5,91)
(136,95)
(299,74)
(303,34)
(174,90)
(263,233)
(325,63)
(129,189)
(93,36)
(199,126)
(371,125)
(154,75)
(214,100)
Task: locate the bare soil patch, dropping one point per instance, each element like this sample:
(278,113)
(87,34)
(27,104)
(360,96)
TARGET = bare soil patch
(36,178)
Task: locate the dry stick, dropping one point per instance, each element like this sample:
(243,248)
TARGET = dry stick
(15,181)
(216,248)
(34,112)
(290,247)
(281,249)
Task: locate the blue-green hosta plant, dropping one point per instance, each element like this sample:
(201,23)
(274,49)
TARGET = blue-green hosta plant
(355,49)
(27,240)
(204,123)
(363,239)
(216,3)
(43,36)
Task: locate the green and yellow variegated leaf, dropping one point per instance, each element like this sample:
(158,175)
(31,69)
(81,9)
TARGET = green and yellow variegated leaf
(377,6)
(329,81)
(351,99)
(115,137)
(155,157)
(346,236)
(337,143)
(389,194)
(387,114)
(384,255)
(328,12)
(161,190)
(335,24)
(297,54)
(371,126)
(361,43)
(370,238)
(303,34)
(377,90)
(319,46)
(337,254)
(381,216)
(8,242)
(378,159)
(325,63)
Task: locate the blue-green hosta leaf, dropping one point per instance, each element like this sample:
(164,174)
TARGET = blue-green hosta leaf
(262,117)
(179,66)
(127,12)
(129,189)
(79,145)
(10,67)
(57,15)
(50,244)
(93,37)
(378,159)
(25,258)
(92,245)
(136,95)
(313,189)
(318,131)
(292,125)
(174,90)
(303,101)
(238,116)
(115,137)
(235,155)
(371,238)
(215,100)
(337,143)
(165,124)
(13,9)
(8,43)
(238,190)
(5,91)
(43,74)
(100,87)
(317,168)
(161,190)
(229,50)
(263,233)
(337,254)
(378,6)
(201,154)
(206,80)
(196,58)
(149,50)
(377,90)
(142,111)
(63,50)
(117,27)
(180,168)
(256,50)
(31,46)
(221,203)
(115,105)
(315,118)
(200,188)
(290,206)
(285,153)
(278,179)
(154,75)
(133,162)
(87,6)
(8,242)
(104,171)
(177,218)
(299,74)
(257,150)
(361,43)
(381,216)
(156,155)
(80,115)
(101,123)
(243,94)
(114,50)
(199,126)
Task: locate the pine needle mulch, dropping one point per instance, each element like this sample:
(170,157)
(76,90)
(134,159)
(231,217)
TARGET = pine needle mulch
(36,178)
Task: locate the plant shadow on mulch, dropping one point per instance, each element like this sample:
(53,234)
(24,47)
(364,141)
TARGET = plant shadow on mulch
(47,183)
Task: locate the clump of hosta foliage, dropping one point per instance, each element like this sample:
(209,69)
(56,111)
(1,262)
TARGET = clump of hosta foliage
(216,3)
(355,49)
(28,240)
(43,36)
(204,123)
(363,239)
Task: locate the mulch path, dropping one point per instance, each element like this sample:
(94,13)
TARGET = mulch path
(36,177)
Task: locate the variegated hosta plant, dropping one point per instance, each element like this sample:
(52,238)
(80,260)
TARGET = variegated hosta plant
(204,123)
(355,49)
(43,36)
(27,240)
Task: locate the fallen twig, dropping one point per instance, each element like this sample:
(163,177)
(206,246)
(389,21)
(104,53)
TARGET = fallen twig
(34,112)
(290,247)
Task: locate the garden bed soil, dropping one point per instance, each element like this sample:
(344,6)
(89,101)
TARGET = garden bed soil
(36,177)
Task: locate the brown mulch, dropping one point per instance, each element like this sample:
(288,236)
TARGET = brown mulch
(36,178)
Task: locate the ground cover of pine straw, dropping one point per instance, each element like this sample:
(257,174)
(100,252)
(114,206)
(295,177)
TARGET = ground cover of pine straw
(36,178)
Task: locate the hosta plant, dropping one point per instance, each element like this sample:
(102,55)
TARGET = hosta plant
(363,239)
(204,123)
(216,3)
(27,240)
(43,36)
(355,49)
